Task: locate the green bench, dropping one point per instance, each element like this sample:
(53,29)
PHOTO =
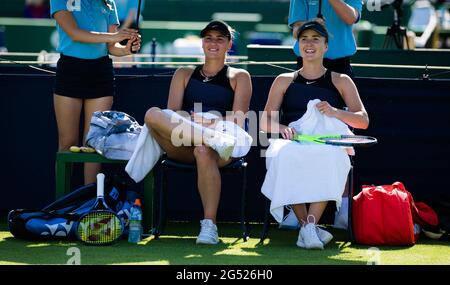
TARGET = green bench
(64,161)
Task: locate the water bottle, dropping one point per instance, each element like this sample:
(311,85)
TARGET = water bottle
(135,231)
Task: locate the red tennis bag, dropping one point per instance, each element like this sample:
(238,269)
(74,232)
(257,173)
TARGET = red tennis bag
(382,215)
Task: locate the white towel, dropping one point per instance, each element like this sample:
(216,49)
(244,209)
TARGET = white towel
(306,173)
(147,151)
(145,156)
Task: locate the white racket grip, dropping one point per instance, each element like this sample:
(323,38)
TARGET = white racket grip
(100,184)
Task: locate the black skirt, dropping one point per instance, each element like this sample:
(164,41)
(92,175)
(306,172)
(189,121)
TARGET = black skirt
(84,78)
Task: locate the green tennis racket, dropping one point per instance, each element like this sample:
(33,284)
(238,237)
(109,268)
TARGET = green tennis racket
(338,140)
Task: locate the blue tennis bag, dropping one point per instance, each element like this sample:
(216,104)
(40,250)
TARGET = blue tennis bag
(59,220)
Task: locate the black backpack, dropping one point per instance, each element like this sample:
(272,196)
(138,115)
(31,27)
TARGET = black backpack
(59,220)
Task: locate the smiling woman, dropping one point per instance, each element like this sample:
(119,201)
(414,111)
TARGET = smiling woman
(299,94)
(211,87)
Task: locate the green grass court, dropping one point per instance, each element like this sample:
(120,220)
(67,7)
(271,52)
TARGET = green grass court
(177,247)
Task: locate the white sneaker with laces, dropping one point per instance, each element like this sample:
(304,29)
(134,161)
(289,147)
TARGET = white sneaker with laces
(324,236)
(208,233)
(223,144)
(310,238)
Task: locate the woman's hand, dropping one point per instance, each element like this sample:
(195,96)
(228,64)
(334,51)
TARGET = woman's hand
(134,44)
(287,133)
(326,109)
(209,123)
(124,34)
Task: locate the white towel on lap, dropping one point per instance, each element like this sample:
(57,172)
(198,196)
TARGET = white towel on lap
(305,173)
(147,151)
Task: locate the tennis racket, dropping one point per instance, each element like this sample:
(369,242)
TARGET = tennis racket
(100,225)
(339,140)
(319,14)
(136,25)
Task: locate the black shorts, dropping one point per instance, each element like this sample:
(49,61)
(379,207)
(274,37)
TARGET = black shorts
(84,78)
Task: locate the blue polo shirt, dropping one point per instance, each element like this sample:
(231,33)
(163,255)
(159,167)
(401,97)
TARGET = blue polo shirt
(124,6)
(341,42)
(90,15)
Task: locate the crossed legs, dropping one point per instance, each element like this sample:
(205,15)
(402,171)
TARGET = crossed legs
(207,160)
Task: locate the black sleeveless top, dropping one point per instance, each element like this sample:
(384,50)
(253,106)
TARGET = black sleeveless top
(302,90)
(215,93)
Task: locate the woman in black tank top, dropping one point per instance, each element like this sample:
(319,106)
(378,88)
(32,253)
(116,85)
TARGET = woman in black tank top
(210,87)
(290,94)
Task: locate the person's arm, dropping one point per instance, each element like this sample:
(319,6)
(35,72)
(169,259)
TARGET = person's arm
(297,16)
(356,116)
(177,87)
(133,44)
(70,27)
(242,97)
(346,12)
(270,118)
(131,18)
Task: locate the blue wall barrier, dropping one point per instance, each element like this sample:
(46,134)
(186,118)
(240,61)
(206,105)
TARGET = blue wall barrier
(409,117)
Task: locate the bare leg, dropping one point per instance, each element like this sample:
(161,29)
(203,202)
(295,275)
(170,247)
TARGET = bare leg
(300,212)
(209,180)
(207,160)
(91,106)
(316,209)
(160,127)
(209,183)
(67,112)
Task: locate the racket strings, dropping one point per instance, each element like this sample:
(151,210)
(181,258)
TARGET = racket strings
(352,140)
(100,228)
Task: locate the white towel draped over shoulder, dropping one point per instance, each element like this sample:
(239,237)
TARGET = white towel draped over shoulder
(147,151)
(300,173)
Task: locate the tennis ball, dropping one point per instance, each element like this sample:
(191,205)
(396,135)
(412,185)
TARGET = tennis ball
(87,149)
(74,149)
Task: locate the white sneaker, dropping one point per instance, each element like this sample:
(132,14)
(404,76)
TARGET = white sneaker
(208,233)
(310,238)
(223,144)
(324,236)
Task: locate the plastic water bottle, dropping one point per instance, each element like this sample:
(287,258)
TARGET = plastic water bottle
(135,232)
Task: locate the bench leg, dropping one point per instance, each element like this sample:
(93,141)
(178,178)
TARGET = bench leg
(63,173)
(148,202)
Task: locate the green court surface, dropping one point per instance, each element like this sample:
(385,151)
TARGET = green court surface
(177,247)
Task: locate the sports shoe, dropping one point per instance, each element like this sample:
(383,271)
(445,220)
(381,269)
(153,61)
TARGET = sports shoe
(310,238)
(324,236)
(208,233)
(222,143)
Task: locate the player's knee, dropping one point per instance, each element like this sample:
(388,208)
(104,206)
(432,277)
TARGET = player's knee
(204,155)
(152,116)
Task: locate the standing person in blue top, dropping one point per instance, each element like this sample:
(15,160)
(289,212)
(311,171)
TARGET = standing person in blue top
(87,32)
(338,17)
(217,87)
(126,11)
